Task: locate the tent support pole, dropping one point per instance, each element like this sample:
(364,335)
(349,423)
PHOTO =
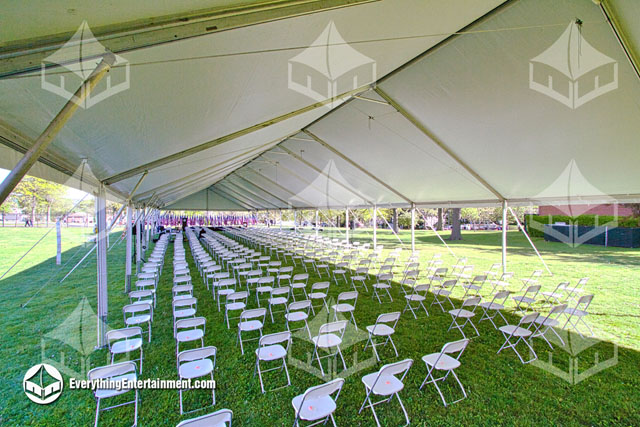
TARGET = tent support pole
(529,239)
(40,145)
(504,236)
(138,238)
(295,221)
(375,227)
(58,243)
(346,223)
(103,305)
(413,227)
(127,271)
(317,225)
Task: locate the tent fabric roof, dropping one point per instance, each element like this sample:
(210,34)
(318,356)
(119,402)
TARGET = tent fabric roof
(466,120)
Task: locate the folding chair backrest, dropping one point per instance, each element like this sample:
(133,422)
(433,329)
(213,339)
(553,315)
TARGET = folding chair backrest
(219,276)
(253,314)
(197,354)
(124,333)
(280,291)
(237,296)
(192,322)
(264,280)
(582,282)
(385,277)
(221,417)
(501,296)
(388,317)
(506,276)
(226,282)
(303,277)
(362,270)
(285,270)
(449,283)
(584,302)
(528,319)
(557,309)
(471,302)
(322,390)
(319,286)
(441,271)
(331,327)
(299,305)
(396,368)
(455,347)
(533,289)
(140,294)
(275,338)
(536,273)
(346,296)
(136,308)
(480,279)
(110,371)
(187,302)
(421,288)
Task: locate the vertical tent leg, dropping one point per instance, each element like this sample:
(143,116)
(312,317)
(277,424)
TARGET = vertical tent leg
(101,221)
(317,225)
(375,227)
(58,243)
(413,227)
(346,223)
(127,271)
(504,236)
(138,240)
(280,220)
(295,221)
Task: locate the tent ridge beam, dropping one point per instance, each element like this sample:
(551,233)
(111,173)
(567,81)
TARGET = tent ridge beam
(356,165)
(229,137)
(431,136)
(231,194)
(258,187)
(229,198)
(621,36)
(266,178)
(230,190)
(238,187)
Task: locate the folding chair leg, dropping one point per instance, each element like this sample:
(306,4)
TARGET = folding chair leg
(406,416)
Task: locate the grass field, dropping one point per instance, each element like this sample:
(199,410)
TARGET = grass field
(501,390)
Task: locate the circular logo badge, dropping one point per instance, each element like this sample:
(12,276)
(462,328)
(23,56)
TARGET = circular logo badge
(42,384)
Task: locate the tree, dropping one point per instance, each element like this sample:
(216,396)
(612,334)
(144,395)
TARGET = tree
(440,222)
(456,234)
(635,208)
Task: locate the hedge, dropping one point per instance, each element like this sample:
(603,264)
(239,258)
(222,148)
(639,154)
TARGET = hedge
(587,220)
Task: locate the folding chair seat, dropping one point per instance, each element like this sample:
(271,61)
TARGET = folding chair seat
(236,301)
(524,302)
(182,309)
(475,286)
(466,312)
(250,321)
(299,281)
(494,308)
(575,315)
(549,322)
(384,327)
(360,276)
(386,383)
(278,296)
(531,280)
(189,330)
(382,285)
(215,419)
(270,349)
(443,293)
(329,336)
(125,341)
(526,328)
(224,288)
(555,296)
(447,360)
(342,306)
(137,315)
(502,283)
(418,296)
(319,291)
(265,286)
(119,372)
(316,404)
(197,363)
(298,311)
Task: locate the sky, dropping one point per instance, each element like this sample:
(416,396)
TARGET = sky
(72,193)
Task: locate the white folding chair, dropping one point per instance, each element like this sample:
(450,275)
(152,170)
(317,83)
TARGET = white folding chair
(194,364)
(418,295)
(502,282)
(299,281)
(494,308)
(224,288)
(442,361)
(265,286)
(319,291)
(284,273)
(531,280)
(316,404)
(189,330)
(549,322)
(474,286)
(270,349)
(182,309)
(236,301)
(341,306)
(442,294)
(360,276)
(383,284)
(142,297)
(221,418)
(466,314)
(385,326)
(250,321)
(386,383)
(524,302)
(579,312)
(279,296)
(120,372)
(329,336)
(574,292)
(298,311)
(522,331)
(555,296)
(137,315)
(124,341)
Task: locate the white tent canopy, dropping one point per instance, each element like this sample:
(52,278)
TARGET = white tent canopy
(245,119)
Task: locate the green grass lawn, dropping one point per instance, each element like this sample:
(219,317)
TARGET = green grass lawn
(500,388)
